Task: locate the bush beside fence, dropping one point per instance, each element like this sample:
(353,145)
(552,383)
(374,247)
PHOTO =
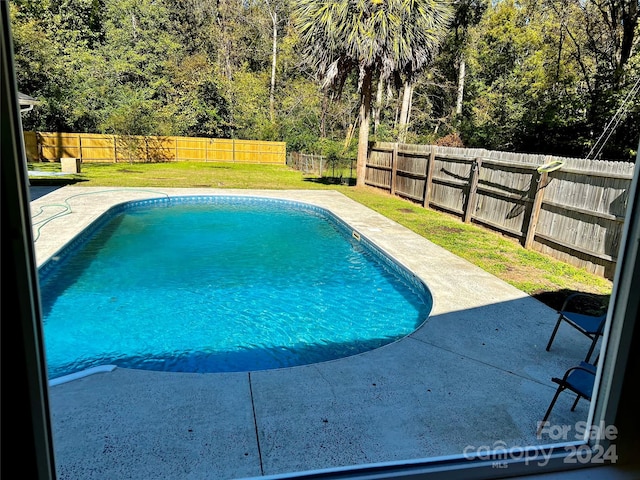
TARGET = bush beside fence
(575,213)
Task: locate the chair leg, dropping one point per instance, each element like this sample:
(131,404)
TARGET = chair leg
(553,334)
(546,415)
(592,348)
(575,404)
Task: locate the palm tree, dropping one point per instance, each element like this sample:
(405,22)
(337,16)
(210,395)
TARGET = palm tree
(378,37)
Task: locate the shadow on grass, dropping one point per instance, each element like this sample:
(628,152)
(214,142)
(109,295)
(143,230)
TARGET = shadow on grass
(332,181)
(54,181)
(595,304)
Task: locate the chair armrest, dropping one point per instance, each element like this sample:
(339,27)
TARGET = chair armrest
(587,367)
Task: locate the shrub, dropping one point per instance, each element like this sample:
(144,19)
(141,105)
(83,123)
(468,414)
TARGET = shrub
(450,140)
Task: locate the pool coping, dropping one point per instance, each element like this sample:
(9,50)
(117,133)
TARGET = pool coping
(388,405)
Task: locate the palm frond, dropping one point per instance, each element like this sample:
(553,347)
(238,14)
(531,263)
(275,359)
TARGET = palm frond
(390,35)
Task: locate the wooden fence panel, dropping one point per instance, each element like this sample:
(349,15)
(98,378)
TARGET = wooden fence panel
(160,149)
(50,147)
(582,214)
(380,178)
(31,146)
(222,150)
(505,196)
(447,197)
(54,146)
(410,187)
(98,148)
(250,151)
(460,152)
(379,166)
(191,149)
(411,169)
(450,182)
(575,214)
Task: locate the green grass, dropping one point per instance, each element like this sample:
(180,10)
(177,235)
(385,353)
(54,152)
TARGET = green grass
(181,174)
(539,275)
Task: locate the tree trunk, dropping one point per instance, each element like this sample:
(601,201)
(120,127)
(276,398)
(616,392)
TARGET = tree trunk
(363,134)
(224,52)
(323,113)
(396,113)
(621,18)
(274,20)
(378,106)
(134,27)
(461,74)
(403,124)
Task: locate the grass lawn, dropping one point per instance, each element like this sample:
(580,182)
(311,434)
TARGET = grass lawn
(539,275)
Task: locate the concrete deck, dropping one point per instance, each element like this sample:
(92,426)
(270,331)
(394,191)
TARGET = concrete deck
(475,374)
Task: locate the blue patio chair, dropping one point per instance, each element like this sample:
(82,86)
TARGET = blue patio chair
(579,380)
(589,325)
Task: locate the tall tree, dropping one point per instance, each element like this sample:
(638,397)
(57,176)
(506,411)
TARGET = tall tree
(376,38)
(468,13)
(275,9)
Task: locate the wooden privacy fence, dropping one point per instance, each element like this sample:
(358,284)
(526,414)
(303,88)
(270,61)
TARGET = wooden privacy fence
(92,147)
(575,213)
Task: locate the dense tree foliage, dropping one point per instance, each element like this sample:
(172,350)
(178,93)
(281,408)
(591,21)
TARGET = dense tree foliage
(525,75)
(548,75)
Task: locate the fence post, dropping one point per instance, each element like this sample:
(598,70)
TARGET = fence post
(115,150)
(394,168)
(473,190)
(541,180)
(80,147)
(429,177)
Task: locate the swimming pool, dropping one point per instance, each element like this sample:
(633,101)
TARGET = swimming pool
(222,283)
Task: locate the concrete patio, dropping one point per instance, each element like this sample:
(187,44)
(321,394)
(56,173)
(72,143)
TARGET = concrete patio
(474,375)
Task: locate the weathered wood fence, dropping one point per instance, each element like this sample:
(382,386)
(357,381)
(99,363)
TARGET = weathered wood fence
(91,147)
(575,214)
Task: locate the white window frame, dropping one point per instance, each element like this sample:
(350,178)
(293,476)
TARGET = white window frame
(613,402)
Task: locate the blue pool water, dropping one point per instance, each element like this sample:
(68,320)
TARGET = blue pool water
(220,284)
